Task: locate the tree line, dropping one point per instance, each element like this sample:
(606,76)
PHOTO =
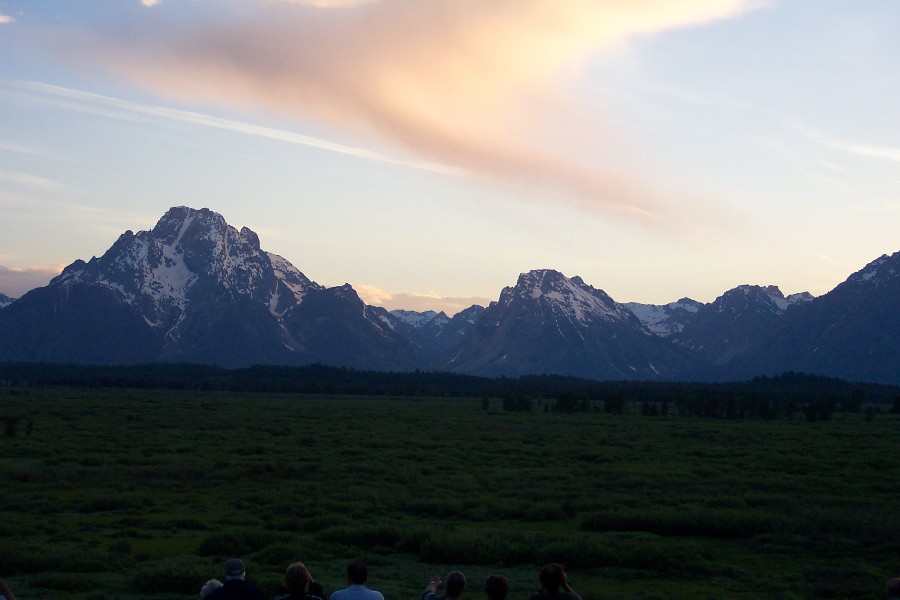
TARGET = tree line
(787,395)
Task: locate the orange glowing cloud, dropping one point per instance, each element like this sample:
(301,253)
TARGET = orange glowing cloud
(467,83)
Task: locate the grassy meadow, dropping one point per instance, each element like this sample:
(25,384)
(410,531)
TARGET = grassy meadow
(124,494)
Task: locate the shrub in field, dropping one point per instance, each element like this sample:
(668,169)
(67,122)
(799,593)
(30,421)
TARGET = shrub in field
(65,582)
(464,548)
(278,556)
(235,543)
(707,522)
(367,536)
(174,576)
(842,582)
(412,538)
(436,508)
(15,560)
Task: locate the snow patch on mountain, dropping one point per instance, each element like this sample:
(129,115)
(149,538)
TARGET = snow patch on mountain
(5,300)
(419,320)
(170,279)
(664,319)
(881,269)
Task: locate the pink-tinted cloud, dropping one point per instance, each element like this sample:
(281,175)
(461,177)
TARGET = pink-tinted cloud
(15,282)
(420,302)
(469,83)
(5,19)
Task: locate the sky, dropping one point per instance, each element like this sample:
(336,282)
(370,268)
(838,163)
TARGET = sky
(429,151)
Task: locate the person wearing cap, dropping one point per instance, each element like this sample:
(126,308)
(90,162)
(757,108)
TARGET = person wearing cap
(357,574)
(235,587)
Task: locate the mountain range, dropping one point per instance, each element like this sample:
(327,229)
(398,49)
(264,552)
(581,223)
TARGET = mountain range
(195,289)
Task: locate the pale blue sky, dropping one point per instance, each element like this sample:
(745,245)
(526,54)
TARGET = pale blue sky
(429,153)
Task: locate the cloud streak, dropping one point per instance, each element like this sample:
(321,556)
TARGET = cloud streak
(860,149)
(19,179)
(118,108)
(464,83)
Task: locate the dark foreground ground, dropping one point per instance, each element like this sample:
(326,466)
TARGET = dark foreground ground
(142,494)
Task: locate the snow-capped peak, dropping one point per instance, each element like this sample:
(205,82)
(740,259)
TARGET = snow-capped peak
(573,297)
(157,269)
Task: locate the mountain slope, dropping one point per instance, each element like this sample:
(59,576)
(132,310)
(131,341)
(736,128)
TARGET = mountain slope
(851,332)
(191,289)
(667,319)
(548,323)
(737,323)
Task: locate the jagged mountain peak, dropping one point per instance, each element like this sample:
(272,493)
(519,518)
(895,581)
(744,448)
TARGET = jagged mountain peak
(188,253)
(419,320)
(5,300)
(751,297)
(882,268)
(568,297)
(771,296)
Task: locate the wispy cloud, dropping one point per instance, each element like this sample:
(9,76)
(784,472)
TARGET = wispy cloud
(326,3)
(851,147)
(467,84)
(19,149)
(834,261)
(15,282)
(27,180)
(4,19)
(149,2)
(88,102)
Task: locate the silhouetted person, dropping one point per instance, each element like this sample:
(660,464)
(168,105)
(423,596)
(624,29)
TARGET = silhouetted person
(5,592)
(235,588)
(892,589)
(357,575)
(453,587)
(554,585)
(209,587)
(299,584)
(496,587)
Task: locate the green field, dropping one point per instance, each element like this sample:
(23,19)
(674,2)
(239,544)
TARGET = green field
(138,494)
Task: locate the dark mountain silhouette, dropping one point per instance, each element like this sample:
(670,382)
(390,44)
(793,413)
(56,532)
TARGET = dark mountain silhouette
(194,289)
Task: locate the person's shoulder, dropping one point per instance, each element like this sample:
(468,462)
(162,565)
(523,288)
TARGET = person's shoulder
(338,594)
